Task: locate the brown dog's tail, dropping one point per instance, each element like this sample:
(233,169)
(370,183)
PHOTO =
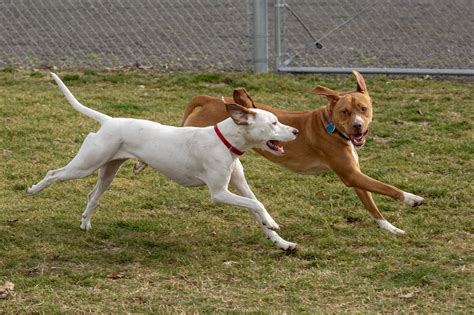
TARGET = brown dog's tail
(195,102)
(212,108)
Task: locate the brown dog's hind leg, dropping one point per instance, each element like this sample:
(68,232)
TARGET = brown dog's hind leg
(139,166)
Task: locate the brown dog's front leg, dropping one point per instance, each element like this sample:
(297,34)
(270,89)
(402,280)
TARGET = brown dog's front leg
(355,178)
(359,180)
(347,168)
(369,203)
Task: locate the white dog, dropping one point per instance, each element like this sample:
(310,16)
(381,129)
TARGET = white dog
(188,155)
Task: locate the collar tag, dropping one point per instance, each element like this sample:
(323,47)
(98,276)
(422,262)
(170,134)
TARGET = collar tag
(330,127)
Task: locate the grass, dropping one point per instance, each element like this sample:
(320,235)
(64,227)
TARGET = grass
(157,247)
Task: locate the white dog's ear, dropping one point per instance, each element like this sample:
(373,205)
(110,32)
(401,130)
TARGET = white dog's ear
(238,113)
(243,98)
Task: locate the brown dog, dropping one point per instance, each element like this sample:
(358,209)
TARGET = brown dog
(327,140)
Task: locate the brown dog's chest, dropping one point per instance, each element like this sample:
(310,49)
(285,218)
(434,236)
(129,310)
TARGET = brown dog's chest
(314,167)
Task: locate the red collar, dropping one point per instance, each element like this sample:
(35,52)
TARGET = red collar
(227,144)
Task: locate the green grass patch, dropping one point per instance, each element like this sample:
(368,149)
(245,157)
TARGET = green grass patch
(156,247)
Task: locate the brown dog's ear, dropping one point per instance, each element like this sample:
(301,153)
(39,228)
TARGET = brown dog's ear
(361,87)
(238,113)
(333,96)
(241,97)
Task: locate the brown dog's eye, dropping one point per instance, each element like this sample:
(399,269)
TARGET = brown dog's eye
(345,112)
(363,109)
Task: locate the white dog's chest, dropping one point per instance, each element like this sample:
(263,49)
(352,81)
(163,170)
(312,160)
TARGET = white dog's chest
(188,181)
(182,178)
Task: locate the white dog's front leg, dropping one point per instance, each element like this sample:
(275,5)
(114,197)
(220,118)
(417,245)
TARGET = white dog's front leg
(225,196)
(268,230)
(277,239)
(239,182)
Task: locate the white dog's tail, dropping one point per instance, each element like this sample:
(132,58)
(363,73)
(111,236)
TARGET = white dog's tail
(101,118)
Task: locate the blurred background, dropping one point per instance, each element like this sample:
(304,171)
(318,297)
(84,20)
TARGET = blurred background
(409,36)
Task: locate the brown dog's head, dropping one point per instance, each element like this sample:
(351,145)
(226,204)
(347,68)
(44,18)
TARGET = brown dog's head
(351,112)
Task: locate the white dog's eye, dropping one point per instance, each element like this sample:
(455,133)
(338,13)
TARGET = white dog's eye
(274,123)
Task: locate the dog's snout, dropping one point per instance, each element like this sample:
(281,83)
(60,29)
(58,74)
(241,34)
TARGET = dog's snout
(295,131)
(357,125)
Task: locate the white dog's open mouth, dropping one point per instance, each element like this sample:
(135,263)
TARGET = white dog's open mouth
(358,139)
(275,147)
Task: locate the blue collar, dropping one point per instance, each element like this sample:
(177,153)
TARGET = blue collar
(331,128)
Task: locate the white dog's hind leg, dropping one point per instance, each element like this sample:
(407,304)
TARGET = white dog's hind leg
(51,177)
(60,174)
(106,175)
(94,152)
(239,182)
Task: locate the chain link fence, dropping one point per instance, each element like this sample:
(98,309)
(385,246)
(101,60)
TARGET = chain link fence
(401,35)
(200,35)
(216,35)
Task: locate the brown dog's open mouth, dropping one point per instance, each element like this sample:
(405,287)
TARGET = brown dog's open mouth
(275,147)
(358,139)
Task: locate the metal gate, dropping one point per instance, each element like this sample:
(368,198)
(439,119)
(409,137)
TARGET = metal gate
(373,36)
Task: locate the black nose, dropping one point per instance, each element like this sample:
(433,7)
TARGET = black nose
(296,132)
(357,126)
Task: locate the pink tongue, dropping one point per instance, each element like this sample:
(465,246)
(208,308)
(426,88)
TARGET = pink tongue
(276,147)
(357,140)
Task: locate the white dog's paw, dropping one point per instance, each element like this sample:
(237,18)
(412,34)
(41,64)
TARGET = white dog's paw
(269,223)
(31,191)
(281,243)
(412,200)
(86,225)
(287,246)
(385,225)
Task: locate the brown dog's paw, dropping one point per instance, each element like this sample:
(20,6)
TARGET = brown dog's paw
(412,200)
(138,167)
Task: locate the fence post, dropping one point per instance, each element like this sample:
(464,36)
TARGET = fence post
(260,37)
(279,5)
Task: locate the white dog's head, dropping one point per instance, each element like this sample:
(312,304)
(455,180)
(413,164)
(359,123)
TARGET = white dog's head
(261,128)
